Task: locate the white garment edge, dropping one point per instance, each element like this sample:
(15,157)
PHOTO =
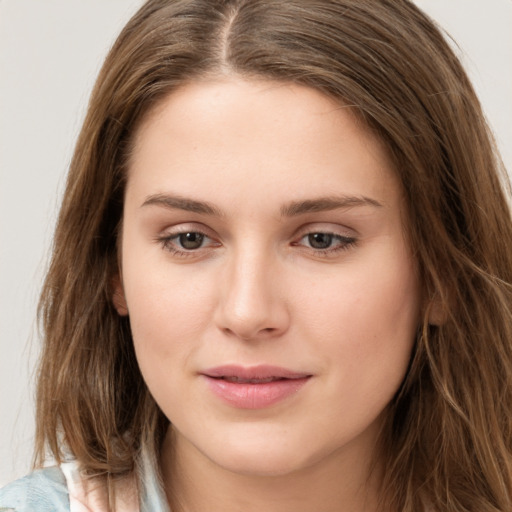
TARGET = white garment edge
(90,494)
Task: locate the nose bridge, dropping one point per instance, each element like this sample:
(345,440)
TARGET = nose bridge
(251,303)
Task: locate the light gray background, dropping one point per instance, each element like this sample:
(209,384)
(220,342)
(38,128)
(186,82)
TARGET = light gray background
(50,53)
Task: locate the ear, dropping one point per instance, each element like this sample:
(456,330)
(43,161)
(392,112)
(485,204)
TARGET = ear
(437,311)
(118,297)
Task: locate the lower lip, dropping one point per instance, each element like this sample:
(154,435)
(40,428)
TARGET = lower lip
(255,396)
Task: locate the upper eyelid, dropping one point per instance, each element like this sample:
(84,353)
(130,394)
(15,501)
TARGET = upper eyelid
(330,233)
(187,227)
(326,227)
(331,228)
(171,232)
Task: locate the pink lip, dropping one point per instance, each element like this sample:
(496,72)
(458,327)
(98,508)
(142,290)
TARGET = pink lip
(254,387)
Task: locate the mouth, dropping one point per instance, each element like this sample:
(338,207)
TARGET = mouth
(253,374)
(240,380)
(254,387)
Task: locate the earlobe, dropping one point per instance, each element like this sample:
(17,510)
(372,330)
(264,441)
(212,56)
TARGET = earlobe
(118,297)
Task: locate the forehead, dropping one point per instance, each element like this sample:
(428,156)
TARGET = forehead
(234,137)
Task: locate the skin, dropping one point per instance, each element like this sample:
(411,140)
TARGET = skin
(256,291)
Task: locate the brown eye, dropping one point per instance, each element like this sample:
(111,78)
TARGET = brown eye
(320,240)
(191,240)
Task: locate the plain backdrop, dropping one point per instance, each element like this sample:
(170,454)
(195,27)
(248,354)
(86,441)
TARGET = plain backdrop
(50,53)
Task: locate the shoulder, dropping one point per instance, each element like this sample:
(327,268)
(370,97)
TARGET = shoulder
(44,490)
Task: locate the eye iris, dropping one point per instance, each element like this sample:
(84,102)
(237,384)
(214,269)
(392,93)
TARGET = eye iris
(191,240)
(320,240)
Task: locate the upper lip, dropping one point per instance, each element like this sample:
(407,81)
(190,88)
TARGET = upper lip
(253,372)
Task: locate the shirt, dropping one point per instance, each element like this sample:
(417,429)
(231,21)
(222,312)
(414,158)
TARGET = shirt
(63,489)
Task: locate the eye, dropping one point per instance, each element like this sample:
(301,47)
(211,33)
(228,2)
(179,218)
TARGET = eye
(325,243)
(320,240)
(186,243)
(191,240)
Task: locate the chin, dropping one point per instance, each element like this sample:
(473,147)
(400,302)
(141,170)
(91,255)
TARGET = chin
(264,464)
(263,458)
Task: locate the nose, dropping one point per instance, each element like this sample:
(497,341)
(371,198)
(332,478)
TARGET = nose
(252,301)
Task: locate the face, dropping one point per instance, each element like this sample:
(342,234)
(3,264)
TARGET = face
(271,291)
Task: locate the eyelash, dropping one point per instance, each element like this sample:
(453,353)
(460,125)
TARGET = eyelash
(344,243)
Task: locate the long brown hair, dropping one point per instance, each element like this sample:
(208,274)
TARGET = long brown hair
(448,439)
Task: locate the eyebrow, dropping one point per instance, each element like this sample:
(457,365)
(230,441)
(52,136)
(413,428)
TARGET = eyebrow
(182,203)
(323,204)
(292,209)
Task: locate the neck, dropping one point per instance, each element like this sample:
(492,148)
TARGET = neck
(341,482)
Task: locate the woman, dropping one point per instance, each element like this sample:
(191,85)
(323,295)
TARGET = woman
(281,275)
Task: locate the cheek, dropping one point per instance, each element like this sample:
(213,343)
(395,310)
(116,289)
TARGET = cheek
(168,314)
(366,336)
(366,320)
(168,327)
(379,301)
